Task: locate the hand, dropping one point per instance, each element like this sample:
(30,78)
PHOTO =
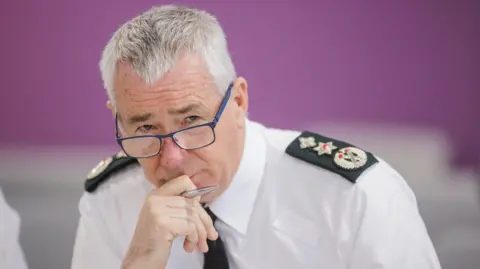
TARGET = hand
(165,216)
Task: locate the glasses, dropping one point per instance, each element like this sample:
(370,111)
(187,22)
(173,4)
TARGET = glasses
(190,138)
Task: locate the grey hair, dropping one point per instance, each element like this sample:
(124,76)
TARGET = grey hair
(153,41)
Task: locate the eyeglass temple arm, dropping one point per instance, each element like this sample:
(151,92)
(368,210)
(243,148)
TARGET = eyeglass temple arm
(116,126)
(223,104)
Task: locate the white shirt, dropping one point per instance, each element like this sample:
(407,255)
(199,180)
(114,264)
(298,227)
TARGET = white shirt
(279,212)
(11,254)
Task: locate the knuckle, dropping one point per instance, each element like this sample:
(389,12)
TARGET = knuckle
(196,203)
(184,179)
(161,222)
(188,182)
(178,230)
(188,203)
(154,204)
(189,216)
(175,232)
(208,221)
(202,233)
(192,227)
(153,199)
(156,192)
(192,237)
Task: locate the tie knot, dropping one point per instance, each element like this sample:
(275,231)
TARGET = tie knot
(211,214)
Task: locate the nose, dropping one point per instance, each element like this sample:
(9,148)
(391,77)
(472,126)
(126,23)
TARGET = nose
(171,154)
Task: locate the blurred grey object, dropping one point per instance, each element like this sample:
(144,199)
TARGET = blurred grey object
(44,186)
(11,252)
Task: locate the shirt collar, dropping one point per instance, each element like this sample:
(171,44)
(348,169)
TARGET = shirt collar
(235,205)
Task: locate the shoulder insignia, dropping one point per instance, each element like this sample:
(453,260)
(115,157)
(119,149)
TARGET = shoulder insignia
(105,168)
(336,156)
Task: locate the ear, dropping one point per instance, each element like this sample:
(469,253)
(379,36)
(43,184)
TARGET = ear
(110,106)
(240,96)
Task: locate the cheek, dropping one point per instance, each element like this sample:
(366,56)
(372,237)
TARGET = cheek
(226,134)
(208,155)
(219,153)
(149,165)
(210,159)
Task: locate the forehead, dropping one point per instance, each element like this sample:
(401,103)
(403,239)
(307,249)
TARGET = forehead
(188,81)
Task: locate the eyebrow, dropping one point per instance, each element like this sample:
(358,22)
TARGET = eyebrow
(184,110)
(139,118)
(174,111)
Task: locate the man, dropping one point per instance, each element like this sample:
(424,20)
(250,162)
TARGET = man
(11,253)
(284,199)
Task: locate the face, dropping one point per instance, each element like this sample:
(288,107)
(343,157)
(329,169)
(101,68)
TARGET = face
(184,97)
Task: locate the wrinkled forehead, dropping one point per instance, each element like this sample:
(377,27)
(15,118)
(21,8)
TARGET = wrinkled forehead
(187,84)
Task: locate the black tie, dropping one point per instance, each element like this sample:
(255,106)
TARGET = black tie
(216,257)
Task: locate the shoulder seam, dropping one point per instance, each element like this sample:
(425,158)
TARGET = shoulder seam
(106,169)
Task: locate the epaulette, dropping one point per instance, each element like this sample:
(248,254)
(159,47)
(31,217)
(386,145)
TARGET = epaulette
(105,168)
(336,156)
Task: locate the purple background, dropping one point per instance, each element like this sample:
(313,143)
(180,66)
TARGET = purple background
(406,62)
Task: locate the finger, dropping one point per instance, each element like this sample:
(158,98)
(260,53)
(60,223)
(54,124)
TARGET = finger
(188,246)
(181,222)
(184,213)
(196,199)
(194,238)
(175,202)
(212,233)
(192,213)
(190,226)
(166,205)
(191,235)
(201,232)
(175,186)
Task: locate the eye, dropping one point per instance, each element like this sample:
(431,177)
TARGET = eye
(191,119)
(145,128)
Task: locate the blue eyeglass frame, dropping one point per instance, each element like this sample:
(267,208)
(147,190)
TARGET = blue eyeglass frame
(211,124)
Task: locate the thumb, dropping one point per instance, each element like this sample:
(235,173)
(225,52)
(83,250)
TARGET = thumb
(176,186)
